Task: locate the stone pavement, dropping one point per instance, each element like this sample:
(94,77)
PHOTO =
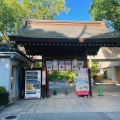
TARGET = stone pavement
(67,107)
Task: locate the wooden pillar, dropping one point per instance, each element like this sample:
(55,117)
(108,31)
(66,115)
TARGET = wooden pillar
(85,59)
(45,83)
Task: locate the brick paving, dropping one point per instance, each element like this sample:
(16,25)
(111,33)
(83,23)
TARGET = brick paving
(68,107)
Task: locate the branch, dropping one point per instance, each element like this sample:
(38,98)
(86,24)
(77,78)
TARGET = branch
(4,36)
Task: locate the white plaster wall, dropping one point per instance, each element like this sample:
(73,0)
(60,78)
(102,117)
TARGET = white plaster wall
(5,73)
(106,64)
(108,52)
(109,73)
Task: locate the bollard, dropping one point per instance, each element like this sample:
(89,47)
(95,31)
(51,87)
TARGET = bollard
(54,92)
(100,92)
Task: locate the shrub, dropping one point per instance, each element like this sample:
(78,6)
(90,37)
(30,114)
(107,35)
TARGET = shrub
(70,80)
(4,96)
(94,77)
(105,74)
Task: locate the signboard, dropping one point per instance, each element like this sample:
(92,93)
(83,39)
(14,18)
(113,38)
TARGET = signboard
(82,82)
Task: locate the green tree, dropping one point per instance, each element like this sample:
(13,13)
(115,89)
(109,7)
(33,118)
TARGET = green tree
(10,13)
(95,68)
(43,9)
(38,64)
(62,75)
(107,10)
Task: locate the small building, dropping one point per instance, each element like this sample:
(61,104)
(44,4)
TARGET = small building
(109,59)
(12,65)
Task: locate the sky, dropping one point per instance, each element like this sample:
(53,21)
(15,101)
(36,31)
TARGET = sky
(78,10)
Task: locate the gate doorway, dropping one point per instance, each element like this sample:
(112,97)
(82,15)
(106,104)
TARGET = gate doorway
(61,84)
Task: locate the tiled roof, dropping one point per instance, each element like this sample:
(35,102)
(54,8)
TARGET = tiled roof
(65,29)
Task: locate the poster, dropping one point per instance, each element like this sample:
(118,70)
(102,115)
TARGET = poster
(82,82)
(61,65)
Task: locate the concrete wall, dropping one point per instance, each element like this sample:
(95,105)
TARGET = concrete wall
(109,73)
(108,52)
(108,57)
(7,80)
(5,73)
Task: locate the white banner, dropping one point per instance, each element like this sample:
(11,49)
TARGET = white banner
(64,65)
(49,65)
(68,65)
(80,64)
(55,66)
(61,65)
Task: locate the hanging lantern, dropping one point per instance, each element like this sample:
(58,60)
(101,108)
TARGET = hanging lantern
(55,62)
(74,62)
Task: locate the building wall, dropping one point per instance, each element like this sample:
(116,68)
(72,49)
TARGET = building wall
(6,78)
(5,73)
(109,75)
(108,52)
(109,58)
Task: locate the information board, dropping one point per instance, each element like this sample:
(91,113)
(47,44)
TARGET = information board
(82,82)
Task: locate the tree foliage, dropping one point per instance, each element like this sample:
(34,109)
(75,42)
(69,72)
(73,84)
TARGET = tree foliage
(12,12)
(43,9)
(95,68)
(107,10)
(62,75)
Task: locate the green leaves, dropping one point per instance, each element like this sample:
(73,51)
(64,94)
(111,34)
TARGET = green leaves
(43,9)
(10,13)
(13,11)
(62,75)
(108,11)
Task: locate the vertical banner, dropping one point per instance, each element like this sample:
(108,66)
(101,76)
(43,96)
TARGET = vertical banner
(49,65)
(80,64)
(82,82)
(61,65)
(67,65)
(55,65)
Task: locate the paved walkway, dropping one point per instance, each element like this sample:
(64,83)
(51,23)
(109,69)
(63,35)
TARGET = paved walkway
(67,107)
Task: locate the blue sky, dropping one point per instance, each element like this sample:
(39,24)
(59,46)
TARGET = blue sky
(78,10)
